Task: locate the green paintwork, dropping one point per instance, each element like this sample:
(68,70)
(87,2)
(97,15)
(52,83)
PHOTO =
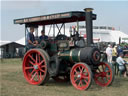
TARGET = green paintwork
(75,53)
(65,55)
(53,47)
(71,55)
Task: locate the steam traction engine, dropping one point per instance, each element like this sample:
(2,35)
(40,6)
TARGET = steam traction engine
(65,58)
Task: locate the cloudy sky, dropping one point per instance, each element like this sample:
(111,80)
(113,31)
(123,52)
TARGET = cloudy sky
(109,13)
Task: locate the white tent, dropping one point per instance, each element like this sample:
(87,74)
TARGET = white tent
(115,35)
(21,41)
(106,35)
(109,35)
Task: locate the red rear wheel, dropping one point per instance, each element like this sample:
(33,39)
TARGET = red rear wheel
(104,74)
(81,76)
(35,67)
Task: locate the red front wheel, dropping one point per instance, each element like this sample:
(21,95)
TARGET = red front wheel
(35,67)
(104,74)
(81,76)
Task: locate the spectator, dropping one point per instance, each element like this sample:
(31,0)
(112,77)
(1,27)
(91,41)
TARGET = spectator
(119,49)
(114,54)
(31,42)
(122,66)
(109,53)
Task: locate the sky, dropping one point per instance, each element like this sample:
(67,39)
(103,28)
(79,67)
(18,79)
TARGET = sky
(109,13)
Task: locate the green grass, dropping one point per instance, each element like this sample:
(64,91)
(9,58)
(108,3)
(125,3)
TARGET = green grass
(14,84)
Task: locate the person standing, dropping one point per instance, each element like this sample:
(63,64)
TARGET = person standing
(114,54)
(119,49)
(109,53)
(30,41)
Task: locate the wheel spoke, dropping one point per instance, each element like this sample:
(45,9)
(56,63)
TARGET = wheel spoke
(80,83)
(106,68)
(98,74)
(85,77)
(43,66)
(32,58)
(99,69)
(84,73)
(81,76)
(76,80)
(38,76)
(31,62)
(41,62)
(85,81)
(35,67)
(107,77)
(103,68)
(33,76)
(76,72)
(32,72)
(102,78)
(42,70)
(26,68)
(81,70)
(108,71)
(75,75)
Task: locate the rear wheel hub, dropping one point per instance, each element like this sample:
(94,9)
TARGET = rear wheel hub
(35,67)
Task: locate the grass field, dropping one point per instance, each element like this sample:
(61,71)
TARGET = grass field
(14,84)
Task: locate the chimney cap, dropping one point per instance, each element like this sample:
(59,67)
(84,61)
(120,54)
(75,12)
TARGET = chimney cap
(88,9)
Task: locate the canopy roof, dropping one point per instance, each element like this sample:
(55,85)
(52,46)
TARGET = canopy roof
(57,18)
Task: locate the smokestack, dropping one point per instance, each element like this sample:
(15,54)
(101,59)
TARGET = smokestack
(89,25)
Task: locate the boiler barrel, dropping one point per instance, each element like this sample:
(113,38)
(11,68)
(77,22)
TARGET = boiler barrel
(89,55)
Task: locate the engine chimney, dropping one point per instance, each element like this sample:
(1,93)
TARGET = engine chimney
(89,26)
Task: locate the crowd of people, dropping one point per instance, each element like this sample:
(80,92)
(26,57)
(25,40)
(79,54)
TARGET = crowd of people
(115,55)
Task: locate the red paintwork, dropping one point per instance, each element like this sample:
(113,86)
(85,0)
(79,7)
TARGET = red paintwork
(32,75)
(80,76)
(103,75)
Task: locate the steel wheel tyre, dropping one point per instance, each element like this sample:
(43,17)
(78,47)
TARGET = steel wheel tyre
(35,67)
(81,76)
(104,74)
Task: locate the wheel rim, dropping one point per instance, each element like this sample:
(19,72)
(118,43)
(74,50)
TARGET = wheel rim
(103,75)
(80,76)
(34,67)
